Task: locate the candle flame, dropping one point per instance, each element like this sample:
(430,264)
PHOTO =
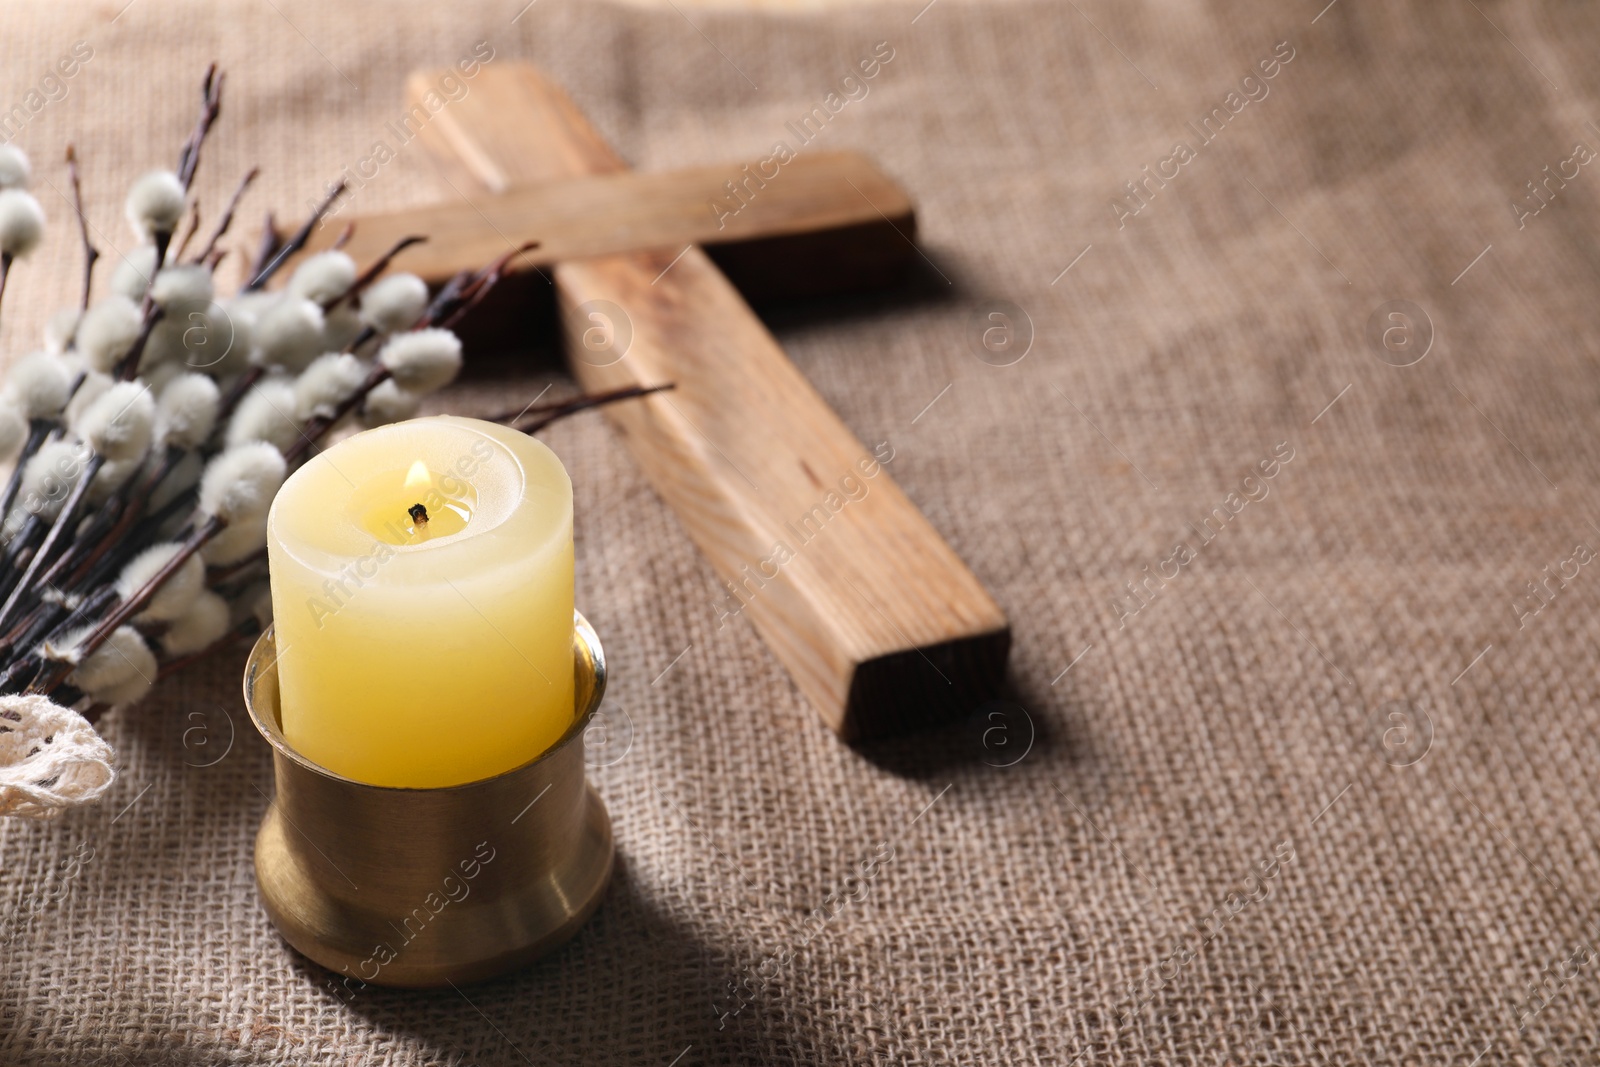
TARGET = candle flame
(418,477)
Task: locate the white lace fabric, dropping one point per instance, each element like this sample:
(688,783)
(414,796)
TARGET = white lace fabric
(50,758)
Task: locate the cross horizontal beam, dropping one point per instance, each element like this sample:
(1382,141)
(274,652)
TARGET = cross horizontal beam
(823,222)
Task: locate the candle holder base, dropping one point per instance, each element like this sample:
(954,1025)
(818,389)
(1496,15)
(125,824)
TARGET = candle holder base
(428,887)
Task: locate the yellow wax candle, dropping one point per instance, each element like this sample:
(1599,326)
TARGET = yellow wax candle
(424,650)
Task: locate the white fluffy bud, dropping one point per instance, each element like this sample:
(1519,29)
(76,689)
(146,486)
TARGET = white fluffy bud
(21,222)
(158,376)
(132,276)
(112,475)
(15,170)
(266,414)
(323,277)
(394,303)
(49,476)
(328,382)
(60,330)
(94,383)
(387,403)
(340,326)
(119,424)
(203,625)
(40,385)
(237,540)
(183,288)
(242,481)
(155,204)
(108,331)
(125,695)
(186,411)
(253,301)
(121,671)
(288,333)
(175,595)
(215,341)
(423,360)
(185,474)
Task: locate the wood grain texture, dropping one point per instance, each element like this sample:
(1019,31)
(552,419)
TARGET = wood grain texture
(827,222)
(878,621)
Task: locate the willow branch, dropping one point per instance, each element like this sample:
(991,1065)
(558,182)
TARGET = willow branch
(227,216)
(130,607)
(194,228)
(379,265)
(298,241)
(543,415)
(5,272)
(128,369)
(90,252)
(113,519)
(319,424)
(38,430)
(63,520)
(481,283)
(210,108)
(271,241)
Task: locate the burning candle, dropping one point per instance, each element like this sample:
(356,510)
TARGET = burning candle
(422,603)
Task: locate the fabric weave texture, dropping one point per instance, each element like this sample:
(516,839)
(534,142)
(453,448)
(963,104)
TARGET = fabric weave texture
(1307,776)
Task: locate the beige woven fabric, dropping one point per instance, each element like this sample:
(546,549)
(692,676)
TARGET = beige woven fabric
(1321,791)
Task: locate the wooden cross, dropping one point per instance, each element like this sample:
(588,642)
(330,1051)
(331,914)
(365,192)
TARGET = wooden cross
(877,620)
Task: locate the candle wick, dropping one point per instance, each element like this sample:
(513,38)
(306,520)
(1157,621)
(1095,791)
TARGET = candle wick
(419,514)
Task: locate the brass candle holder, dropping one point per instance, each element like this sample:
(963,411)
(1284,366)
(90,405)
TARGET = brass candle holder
(424,887)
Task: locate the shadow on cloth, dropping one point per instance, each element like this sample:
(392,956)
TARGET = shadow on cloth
(514,330)
(1011,730)
(634,985)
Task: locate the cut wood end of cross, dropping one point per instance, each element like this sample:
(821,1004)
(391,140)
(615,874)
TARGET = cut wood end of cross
(150,436)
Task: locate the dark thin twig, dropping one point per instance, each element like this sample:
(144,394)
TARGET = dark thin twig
(134,604)
(38,430)
(240,386)
(5,272)
(210,108)
(227,216)
(18,549)
(367,333)
(480,284)
(51,628)
(65,518)
(114,517)
(128,369)
(298,241)
(90,252)
(194,228)
(542,415)
(446,297)
(162,241)
(132,535)
(220,576)
(379,265)
(319,424)
(271,241)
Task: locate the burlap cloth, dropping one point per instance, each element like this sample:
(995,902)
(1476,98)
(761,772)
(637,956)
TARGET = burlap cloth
(1323,793)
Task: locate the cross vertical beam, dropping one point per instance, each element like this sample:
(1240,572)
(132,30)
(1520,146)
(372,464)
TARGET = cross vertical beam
(878,621)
